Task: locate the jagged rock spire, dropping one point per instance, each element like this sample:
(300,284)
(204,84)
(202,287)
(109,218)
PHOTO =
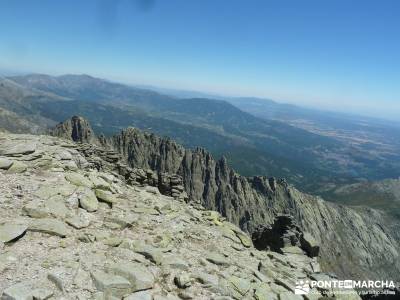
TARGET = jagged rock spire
(76,129)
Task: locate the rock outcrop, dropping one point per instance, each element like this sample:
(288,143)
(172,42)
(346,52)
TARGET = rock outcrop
(76,129)
(130,241)
(284,236)
(357,243)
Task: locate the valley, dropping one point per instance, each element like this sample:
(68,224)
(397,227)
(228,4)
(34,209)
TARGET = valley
(316,151)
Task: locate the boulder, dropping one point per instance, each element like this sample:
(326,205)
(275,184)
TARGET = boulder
(217,259)
(49,226)
(20,149)
(46,191)
(205,278)
(5,163)
(56,207)
(88,200)
(17,167)
(182,281)
(99,182)
(283,232)
(19,291)
(78,179)
(284,236)
(111,284)
(151,253)
(64,155)
(137,274)
(10,232)
(36,209)
(79,220)
(244,238)
(105,196)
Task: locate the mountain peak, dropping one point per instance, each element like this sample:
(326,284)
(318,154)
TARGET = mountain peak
(76,129)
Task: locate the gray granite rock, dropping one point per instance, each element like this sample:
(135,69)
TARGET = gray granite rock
(217,259)
(88,200)
(22,148)
(182,280)
(19,291)
(137,274)
(110,284)
(17,167)
(49,226)
(10,232)
(78,221)
(5,163)
(78,179)
(105,196)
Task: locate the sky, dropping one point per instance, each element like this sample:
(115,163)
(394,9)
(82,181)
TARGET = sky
(341,55)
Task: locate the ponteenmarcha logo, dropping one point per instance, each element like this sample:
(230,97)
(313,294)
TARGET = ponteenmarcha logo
(304,287)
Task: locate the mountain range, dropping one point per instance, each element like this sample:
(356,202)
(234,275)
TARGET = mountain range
(316,151)
(161,140)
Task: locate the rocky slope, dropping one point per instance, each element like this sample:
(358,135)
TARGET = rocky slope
(357,244)
(76,223)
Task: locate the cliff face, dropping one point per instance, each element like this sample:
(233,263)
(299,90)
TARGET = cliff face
(355,243)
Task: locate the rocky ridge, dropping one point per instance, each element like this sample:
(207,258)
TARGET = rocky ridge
(357,244)
(75,225)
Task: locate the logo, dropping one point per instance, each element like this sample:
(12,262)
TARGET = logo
(302,288)
(305,287)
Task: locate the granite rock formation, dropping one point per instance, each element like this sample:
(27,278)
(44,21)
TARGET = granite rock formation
(357,243)
(76,224)
(76,129)
(283,235)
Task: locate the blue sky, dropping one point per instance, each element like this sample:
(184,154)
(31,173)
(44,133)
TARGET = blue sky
(335,54)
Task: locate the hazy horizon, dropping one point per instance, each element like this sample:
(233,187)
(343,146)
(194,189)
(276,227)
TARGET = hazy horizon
(326,55)
(173,91)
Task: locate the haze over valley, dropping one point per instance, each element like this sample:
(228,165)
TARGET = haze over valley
(316,151)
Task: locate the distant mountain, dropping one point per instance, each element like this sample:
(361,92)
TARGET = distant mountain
(182,94)
(313,159)
(17,107)
(383,195)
